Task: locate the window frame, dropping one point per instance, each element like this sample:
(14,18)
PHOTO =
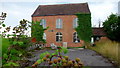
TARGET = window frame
(44,36)
(43,23)
(59,23)
(75,38)
(60,37)
(75,22)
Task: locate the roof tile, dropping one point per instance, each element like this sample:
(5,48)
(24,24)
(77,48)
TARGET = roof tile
(61,9)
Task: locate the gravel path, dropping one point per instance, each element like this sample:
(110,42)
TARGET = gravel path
(88,57)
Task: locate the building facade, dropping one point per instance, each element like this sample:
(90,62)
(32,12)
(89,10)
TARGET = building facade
(62,21)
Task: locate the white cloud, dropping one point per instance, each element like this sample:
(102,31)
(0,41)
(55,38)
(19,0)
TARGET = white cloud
(102,11)
(48,1)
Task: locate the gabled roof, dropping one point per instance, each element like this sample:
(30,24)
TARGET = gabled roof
(98,31)
(61,9)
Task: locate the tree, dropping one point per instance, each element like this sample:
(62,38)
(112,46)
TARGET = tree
(37,32)
(2,25)
(84,29)
(22,27)
(112,27)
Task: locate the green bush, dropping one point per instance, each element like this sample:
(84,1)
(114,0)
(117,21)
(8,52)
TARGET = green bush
(112,27)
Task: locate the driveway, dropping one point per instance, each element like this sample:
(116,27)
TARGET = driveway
(88,57)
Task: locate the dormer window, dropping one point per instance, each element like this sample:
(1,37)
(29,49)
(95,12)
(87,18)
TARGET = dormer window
(75,23)
(59,23)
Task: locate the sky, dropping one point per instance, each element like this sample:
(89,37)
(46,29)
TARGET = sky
(23,9)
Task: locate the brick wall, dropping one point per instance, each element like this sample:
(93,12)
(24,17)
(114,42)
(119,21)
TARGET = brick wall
(67,30)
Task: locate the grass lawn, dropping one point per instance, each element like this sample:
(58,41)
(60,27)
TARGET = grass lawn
(108,49)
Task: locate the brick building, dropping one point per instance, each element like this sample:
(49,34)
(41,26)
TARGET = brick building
(61,20)
(98,33)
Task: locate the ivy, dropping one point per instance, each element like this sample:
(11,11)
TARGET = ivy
(84,28)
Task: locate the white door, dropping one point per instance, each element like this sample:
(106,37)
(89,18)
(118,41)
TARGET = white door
(65,44)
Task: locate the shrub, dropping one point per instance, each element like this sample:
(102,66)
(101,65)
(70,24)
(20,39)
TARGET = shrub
(46,57)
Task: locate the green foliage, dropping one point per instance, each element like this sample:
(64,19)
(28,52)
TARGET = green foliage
(3,61)
(5,45)
(14,58)
(22,27)
(13,48)
(40,61)
(43,54)
(3,25)
(59,60)
(56,53)
(20,43)
(65,50)
(84,28)
(15,42)
(14,51)
(11,64)
(37,31)
(2,18)
(5,56)
(25,42)
(112,27)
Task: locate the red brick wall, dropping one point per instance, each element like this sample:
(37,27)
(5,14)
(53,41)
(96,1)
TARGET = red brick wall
(67,30)
(104,38)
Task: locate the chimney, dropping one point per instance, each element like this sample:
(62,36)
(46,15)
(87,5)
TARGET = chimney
(99,22)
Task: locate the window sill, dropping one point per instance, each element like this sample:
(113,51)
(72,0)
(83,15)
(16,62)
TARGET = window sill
(58,42)
(58,28)
(75,42)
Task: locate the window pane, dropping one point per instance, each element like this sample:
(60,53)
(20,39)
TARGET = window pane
(59,23)
(44,36)
(43,23)
(75,37)
(75,24)
(58,37)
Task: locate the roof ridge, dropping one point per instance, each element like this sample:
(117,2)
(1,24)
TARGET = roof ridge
(64,4)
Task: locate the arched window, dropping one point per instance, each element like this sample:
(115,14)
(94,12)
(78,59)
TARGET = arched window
(75,37)
(75,22)
(43,23)
(44,36)
(59,23)
(58,37)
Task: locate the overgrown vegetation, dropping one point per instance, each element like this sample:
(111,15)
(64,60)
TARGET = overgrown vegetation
(112,27)
(13,49)
(109,49)
(84,28)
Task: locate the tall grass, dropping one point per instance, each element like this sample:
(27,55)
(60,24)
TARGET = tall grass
(109,49)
